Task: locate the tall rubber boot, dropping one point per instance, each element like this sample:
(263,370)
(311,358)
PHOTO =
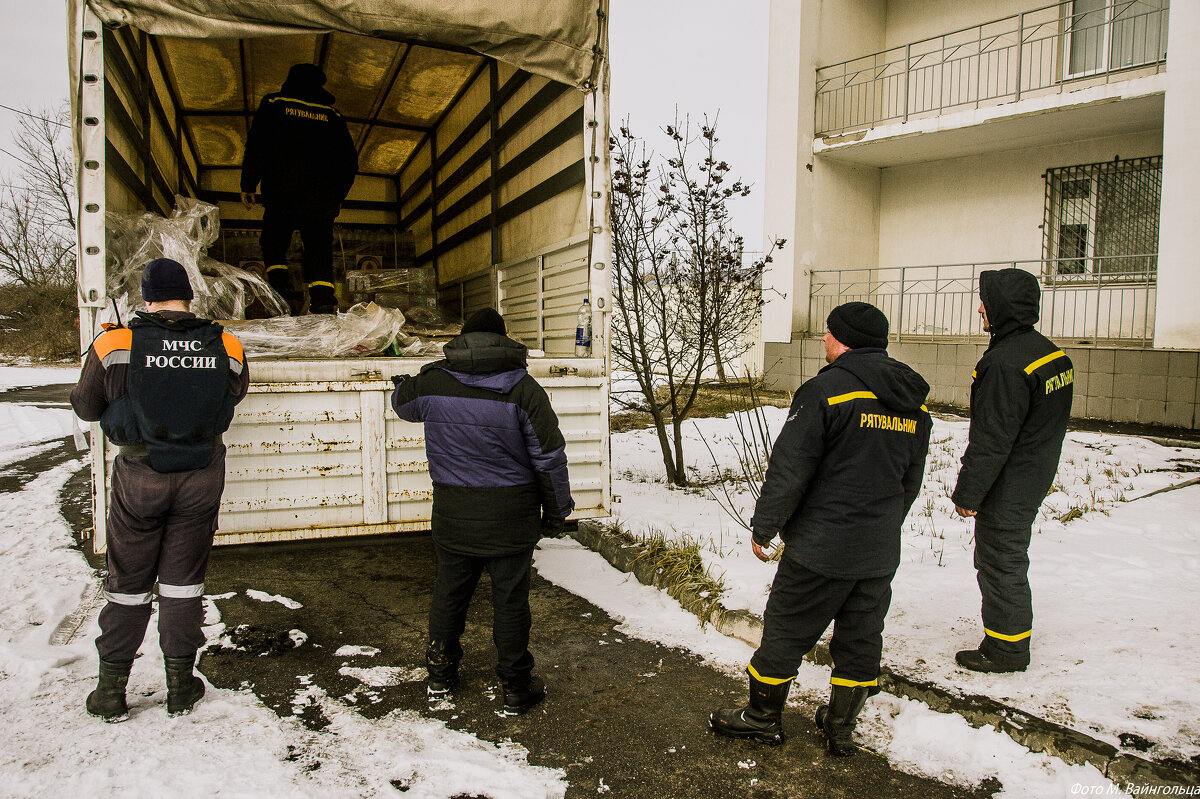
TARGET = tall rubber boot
(281,281)
(322,299)
(442,668)
(838,719)
(184,688)
(759,720)
(108,700)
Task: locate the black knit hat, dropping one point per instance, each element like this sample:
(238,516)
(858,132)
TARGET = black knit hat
(164,279)
(859,324)
(486,320)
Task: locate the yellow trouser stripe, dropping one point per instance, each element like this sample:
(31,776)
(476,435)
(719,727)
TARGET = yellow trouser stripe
(320,283)
(276,266)
(853,395)
(853,683)
(1041,361)
(767,680)
(1003,637)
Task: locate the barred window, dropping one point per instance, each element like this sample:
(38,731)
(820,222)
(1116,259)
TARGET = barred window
(1102,219)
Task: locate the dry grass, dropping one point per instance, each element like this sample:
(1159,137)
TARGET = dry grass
(713,399)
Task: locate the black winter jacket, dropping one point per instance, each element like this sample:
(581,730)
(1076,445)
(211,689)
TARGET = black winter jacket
(1021,396)
(300,150)
(847,466)
(496,455)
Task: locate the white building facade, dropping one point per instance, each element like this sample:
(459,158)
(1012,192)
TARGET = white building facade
(912,144)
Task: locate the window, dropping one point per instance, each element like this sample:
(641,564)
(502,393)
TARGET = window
(1107,35)
(1102,219)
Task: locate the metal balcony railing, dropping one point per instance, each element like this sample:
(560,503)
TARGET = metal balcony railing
(1045,50)
(1084,301)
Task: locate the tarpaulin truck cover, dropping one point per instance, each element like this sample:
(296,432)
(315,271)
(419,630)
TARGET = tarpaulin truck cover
(482,134)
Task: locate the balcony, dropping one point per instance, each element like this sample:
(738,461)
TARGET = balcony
(1051,50)
(1099,301)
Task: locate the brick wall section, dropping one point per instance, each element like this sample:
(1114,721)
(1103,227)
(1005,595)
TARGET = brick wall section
(1156,387)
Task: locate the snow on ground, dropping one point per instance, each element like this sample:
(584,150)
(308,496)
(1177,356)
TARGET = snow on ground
(23,375)
(1112,651)
(231,745)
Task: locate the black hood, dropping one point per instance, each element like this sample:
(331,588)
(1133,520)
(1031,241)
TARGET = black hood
(1012,299)
(895,384)
(168,320)
(305,82)
(481,353)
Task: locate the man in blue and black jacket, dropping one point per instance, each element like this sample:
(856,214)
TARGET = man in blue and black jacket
(843,473)
(499,468)
(1021,394)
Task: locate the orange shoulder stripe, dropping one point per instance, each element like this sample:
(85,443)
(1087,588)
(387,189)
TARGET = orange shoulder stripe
(233,347)
(119,339)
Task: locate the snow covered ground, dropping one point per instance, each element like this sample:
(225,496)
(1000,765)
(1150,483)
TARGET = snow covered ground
(233,745)
(1113,650)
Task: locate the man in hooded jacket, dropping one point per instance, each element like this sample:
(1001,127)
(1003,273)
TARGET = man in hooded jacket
(1021,394)
(301,152)
(499,468)
(843,473)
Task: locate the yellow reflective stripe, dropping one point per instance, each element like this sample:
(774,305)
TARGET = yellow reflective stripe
(924,409)
(320,283)
(852,683)
(1003,637)
(283,99)
(276,266)
(853,395)
(974,374)
(767,680)
(1042,361)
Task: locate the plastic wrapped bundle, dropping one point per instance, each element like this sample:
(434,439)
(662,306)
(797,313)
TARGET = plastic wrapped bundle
(421,321)
(365,329)
(221,291)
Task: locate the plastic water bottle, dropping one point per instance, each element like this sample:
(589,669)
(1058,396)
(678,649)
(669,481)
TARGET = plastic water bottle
(583,331)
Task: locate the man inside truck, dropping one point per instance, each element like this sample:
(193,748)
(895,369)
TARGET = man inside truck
(499,467)
(301,152)
(163,390)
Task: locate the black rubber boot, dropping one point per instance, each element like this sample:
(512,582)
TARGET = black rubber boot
(184,688)
(108,700)
(521,695)
(442,668)
(760,720)
(321,299)
(281,281)
(976,660)
(838,719)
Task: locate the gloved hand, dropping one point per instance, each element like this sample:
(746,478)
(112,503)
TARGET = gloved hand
(398,379)
(553,526)
(763,536)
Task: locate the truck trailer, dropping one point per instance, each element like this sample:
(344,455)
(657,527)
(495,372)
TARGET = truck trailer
(482,133)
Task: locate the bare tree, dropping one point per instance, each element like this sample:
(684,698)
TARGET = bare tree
(37,236)
(674,273)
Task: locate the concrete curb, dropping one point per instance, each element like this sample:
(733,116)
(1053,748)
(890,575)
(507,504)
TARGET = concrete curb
(1036,734)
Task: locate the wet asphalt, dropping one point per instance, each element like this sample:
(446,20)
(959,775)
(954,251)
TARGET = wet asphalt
(621,713)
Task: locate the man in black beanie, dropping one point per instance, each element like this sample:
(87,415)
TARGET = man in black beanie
(301,151)
(843,473)
(499,468)
(167,478)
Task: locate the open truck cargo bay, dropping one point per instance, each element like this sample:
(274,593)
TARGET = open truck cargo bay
(482,136)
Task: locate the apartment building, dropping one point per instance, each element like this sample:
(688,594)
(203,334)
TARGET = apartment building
(912,144)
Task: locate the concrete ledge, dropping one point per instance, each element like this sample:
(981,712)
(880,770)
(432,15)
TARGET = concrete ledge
(1032,732)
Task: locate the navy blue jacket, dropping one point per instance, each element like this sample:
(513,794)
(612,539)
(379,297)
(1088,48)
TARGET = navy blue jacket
(847,466)
(496,455)
(1021,395)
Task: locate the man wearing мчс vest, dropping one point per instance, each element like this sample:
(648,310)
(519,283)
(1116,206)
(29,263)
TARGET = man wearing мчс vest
(163,390)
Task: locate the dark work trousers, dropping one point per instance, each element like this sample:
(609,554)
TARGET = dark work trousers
(316,233)
(160,528)
(457,576)
(1002,563)
(801,605)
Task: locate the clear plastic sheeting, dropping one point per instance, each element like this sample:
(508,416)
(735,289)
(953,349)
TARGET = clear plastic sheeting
(430,322)
(221,291)
(365,329)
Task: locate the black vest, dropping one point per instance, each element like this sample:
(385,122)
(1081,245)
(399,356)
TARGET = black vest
(177,401)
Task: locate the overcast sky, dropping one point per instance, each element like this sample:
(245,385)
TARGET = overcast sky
(665,53)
